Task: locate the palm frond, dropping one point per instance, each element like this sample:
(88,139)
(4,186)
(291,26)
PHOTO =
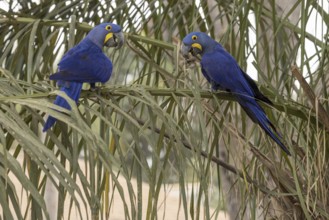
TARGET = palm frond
(155,121)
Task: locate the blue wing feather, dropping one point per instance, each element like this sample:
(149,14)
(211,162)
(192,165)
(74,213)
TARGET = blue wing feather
(223,72)
(83,63)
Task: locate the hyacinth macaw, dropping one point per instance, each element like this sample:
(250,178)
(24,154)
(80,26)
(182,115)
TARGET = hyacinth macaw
(223,73)
(86,63)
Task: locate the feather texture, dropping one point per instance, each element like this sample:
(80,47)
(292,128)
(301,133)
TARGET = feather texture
(223,73)
(85,63)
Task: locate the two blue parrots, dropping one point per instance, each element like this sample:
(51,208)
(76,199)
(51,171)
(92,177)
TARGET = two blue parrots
(223,73)
(86,63)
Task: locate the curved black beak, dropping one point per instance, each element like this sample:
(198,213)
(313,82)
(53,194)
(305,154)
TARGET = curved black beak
(185,49)
(116,41)
(190,53)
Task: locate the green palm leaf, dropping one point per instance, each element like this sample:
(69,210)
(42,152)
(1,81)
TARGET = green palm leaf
(155,123)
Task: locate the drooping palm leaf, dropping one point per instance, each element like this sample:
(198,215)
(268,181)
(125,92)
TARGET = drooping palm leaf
(155,122)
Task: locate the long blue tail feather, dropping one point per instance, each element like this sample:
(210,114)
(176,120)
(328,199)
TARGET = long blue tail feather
(257,114)
(73,90)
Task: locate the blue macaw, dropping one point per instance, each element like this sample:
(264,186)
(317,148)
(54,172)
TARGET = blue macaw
(223,73)
(86,63)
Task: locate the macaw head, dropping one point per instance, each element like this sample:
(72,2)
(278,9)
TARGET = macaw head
(197,43)
(107,34)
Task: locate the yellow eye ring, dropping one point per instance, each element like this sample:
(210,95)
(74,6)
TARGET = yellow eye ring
(194,37)
(108,27)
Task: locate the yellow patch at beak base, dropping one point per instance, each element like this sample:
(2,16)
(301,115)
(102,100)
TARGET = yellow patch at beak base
(108,37)
(197,45)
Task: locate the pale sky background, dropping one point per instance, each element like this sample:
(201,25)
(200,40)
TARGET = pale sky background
(315,26)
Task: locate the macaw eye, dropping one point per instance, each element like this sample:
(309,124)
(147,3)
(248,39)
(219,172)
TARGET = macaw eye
(108,27)
(194,37)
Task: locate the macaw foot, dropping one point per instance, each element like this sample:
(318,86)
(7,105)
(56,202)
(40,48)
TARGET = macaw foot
(92,87)
(213,90)
(95,89)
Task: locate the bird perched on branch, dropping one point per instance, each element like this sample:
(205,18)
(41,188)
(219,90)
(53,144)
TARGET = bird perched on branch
(223,73)
(86,63)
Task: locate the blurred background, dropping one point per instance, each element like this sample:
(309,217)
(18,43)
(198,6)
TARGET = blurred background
(154,142)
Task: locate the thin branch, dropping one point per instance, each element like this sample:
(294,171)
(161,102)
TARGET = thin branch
(289,107)
(226,166)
